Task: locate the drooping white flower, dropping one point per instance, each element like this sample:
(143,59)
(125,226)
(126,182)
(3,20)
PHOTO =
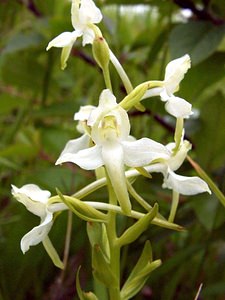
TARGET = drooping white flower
(113,146)
(36,201)
(84,14)
(182,184)
(175,71)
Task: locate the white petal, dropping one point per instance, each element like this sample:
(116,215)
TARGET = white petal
(88,159)
(123,123)
(177,160)
(164,95)
(63,40)
(32,197)
(142,152)
(185,185)
(89,12)
(73,146)
(84,112)
(157,168)
(37,234)
(75,13)
(107,102)
(175,71)
(55,207)
(32,191)
(113,159)
(120,131)
(108,107)
(88,36)
(152,92)
(178,107)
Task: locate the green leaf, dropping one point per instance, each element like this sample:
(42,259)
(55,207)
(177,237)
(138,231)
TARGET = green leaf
(82,210)
(198,39)
(209,141)
(134,231)
(202,76)
(102,269)
(155,50)
(83,295)
(178,259)
(146,256)
(94,231)
(22,41)
(9,164)
(97,235)
(16,70)
(208,212)
(19,150)
(213,290)
(55,110)
(140,273)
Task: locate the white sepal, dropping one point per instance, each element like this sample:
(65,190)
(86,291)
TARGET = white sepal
(185,185)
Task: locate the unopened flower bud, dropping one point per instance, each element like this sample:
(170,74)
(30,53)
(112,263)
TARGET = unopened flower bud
(100,51)
(134,97)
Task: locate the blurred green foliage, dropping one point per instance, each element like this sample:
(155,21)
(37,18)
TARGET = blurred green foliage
(37,104)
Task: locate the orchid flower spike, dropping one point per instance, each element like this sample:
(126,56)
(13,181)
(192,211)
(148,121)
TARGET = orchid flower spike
(84,14)
(181,184)
(175,71)
(36,201)
(113,147)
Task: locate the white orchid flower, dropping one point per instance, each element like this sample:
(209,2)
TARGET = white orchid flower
(181,184)
(84,14)
(175,71)
(36,201)
(84,141)
(82,116)
(113,147)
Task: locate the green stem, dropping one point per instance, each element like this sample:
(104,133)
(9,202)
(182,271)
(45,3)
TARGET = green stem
(140,200)
(114,292)
(137,197)
(175,201)
(178,133)
(92,187)
(67,243)
(107,79)
(121,72)
(159,220)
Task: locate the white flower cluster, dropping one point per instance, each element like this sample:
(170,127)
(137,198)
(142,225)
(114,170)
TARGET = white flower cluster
(106,139)
(112,146)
